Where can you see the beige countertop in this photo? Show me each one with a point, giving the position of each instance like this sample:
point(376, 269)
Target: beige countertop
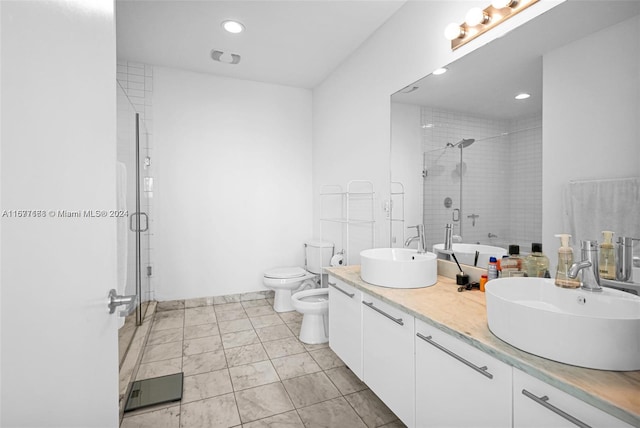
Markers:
point(463, 315)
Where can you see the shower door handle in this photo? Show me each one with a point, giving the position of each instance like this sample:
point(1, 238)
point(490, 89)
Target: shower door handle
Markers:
point(116, 300)
point(146, 222)
point(455, 215)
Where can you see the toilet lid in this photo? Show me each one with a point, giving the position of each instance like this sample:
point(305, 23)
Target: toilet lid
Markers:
point(285, 273)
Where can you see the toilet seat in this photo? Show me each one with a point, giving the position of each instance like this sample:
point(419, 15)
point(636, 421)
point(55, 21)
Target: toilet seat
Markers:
point(285, 273)
point(314, 301)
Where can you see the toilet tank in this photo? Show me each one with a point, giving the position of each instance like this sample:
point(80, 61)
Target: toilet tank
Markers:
point(317, 255)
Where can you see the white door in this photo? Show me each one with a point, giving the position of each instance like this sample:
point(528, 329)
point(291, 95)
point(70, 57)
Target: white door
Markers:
point(58, 362)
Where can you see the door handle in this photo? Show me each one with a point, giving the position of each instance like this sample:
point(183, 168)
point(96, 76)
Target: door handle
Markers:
point(544, 401)
point(341, 290)
point(482, 370)
point(146, 222)
point(380, 311)
point(115, 299)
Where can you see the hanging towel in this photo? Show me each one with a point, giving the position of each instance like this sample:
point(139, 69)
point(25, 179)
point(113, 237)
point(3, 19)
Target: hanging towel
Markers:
point(592, 206)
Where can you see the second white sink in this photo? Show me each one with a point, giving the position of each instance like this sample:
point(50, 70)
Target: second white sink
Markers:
point(598, 330)
point(398, 267)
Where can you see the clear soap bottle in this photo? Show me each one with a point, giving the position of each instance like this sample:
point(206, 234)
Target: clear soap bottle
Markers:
point(512, 265)
point(565, 260)
point(607, 262)
point(537, 263)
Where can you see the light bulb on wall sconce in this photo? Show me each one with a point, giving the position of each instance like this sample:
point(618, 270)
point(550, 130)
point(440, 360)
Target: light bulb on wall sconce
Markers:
point(476, 16)
point(501, 4)
point(453, 31)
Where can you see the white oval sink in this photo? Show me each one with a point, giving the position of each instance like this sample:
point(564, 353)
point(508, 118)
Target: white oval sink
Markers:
point(466, 253)
point(598, 330)
point(398, 267)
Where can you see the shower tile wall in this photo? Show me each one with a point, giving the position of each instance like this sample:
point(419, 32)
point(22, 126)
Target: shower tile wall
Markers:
point(137, 81)
point(500, 182)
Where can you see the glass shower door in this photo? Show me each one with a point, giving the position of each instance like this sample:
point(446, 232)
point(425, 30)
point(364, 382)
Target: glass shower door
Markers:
point(133, 229)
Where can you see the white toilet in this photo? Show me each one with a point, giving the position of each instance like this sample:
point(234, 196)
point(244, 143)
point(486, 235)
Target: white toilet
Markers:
point(298, 289)
point(314, 306)
point(285, 280)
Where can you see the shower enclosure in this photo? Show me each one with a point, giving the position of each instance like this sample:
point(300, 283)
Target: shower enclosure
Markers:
point(483, 175)
point(133, 207)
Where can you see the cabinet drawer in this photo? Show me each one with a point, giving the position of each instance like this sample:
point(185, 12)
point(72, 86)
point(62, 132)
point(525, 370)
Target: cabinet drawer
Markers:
point(538, 404)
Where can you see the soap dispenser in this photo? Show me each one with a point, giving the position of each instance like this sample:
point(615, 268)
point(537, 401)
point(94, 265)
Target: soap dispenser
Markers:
point(607, 256)
point(565, 260)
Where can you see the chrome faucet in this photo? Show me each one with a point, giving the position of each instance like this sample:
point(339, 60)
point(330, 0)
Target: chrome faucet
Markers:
point(588, 265)
point(448, 241)
point(422, 241)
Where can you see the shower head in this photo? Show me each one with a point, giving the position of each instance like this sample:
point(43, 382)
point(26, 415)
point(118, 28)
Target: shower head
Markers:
point(465, 142)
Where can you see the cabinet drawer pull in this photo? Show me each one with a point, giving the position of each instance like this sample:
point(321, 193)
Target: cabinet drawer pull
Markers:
point(341, 290)
point(380, 311)
point(544, 401)
point(481, 370)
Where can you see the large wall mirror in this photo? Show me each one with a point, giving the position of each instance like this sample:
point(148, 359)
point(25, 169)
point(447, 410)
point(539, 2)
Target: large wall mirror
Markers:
point(465, 151)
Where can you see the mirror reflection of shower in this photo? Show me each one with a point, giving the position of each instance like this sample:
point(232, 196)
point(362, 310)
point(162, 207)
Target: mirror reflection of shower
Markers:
point(461, 169)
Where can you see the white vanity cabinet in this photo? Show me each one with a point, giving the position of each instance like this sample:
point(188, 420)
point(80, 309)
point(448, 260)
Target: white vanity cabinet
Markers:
point(458, 385)
point(538, 404)
point(345, 323)
point(388, 356)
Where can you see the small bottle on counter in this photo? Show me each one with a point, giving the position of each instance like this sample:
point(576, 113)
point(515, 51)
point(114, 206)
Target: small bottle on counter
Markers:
point(512, 265)
point(537, 264)
point(492, 269)
point(483, 282)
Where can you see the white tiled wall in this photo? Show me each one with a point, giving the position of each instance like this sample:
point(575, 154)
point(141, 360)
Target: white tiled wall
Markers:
point(501, 173)
point(136, 79)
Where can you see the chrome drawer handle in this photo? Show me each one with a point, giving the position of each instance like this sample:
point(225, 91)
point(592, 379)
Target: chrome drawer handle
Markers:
point(380, 311)
point(481, 370)
point(342, 291)
point(544, 401)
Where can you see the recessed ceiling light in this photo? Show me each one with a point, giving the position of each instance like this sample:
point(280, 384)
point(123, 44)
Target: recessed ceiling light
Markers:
point(522, 96)
point(440, 71)
point(233, 27)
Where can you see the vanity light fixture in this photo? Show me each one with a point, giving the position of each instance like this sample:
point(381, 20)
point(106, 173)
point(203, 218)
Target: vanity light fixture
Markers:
point(479, 21)
point(439, 71)
point(522, 96)
point(233, 27)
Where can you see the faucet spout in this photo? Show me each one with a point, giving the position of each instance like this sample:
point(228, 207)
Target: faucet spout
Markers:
point(588, 266)
point(577, 267)
point(422, 241)
point(448, 231)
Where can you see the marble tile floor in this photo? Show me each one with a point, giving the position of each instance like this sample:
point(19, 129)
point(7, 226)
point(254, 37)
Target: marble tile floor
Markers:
point(245, 367)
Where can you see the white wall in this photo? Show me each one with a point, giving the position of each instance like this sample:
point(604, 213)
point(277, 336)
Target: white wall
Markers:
point(352, 107)
point(406, 167)
point(233, 188)
point(591, 131)
point(59, 345)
